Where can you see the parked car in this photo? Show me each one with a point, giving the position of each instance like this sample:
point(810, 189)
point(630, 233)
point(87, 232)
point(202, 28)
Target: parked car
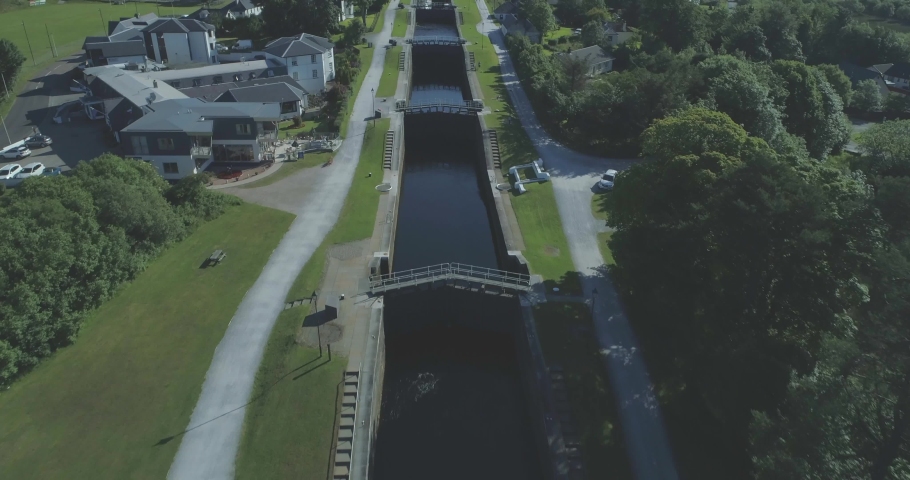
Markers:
point(52, 172)
point(606, 181)
point(38, 141)
point(17, 153)
point(31, 170)
point(9, 171)
point(221, 48)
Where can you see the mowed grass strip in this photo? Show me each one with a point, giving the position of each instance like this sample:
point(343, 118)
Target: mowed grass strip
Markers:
point(546, 247)
point(366, 58)
point(400, 28)
point(112, 405)
point(389, 81)
point(290, 425)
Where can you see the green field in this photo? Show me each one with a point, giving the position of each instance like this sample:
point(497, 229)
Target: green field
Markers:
point(294, 382)
point(389, 81)
point(566, 337)
point(400, 29)
point(366, 58)
point(68, 24)
point(546, 247)
point(106, 407)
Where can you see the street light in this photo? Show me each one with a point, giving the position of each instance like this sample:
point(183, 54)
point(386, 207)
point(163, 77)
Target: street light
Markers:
point(373, 91)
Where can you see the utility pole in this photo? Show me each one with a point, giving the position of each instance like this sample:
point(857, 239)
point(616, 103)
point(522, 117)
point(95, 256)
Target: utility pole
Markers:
point(5, 88)
point(54, 46)
point(53, 53)
point(373, 91)
point(29, 45)
point(103, 26)
point(5, 130)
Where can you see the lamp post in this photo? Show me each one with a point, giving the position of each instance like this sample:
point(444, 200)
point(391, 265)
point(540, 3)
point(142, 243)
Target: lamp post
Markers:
point(29, 44)
point(103, 26)
point(373, 91)
point(593, 299)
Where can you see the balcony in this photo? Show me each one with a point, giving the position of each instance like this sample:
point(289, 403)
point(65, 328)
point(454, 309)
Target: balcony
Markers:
point(197, 151)
point(270, 136)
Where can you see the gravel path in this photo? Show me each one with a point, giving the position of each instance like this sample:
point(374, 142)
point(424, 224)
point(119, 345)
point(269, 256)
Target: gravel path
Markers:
point(209, 445)
point(574, 175)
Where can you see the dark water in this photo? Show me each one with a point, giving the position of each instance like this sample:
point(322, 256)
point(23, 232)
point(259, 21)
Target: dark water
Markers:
point(435, 30)
point(452, 405)
point(438, 75)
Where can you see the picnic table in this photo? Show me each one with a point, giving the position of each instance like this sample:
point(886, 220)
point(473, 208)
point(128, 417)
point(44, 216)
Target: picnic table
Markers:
point(216, 257)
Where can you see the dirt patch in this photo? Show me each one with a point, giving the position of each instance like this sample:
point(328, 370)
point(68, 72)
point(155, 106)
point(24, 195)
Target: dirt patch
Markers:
point(324, 334)
point(551, 251)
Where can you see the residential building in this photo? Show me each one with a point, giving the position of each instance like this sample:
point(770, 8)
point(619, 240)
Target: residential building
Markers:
point(511, 25)
point(221, 73)
point(595, 59)
point(857, 74)
point(309, 59)
point(184, 136)
point(347, 9)
point(233, 10)
point(292, 102)
point(176, 41)
point(896, 75)
point(102, 51)
point(121, 97)
point(616, 33)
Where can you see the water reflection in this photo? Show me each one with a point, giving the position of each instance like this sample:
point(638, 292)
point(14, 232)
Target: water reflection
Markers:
point(426, 94)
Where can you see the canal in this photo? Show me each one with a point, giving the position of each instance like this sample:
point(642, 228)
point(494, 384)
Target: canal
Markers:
point(453, 402)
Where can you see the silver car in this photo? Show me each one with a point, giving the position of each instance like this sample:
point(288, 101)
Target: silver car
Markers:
point(10, 171)
point(606, 181)
point(31, 170)
point(18, 152)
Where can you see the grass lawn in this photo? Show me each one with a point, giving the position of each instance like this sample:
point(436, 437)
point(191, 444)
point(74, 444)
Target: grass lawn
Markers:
point(366, 58)
point(290, 423)
point(389, 81)
point(401, 23)
point(99, 408)
point(290, 426)
point(889, 23)
point(546, 247)
point(358, 215)
point(69, 24)
point(289, 168)
point(374, 20)
point(286, 129)
point(567, 338)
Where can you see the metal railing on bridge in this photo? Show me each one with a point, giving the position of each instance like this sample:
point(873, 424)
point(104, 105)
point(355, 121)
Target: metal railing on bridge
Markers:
point(439, 106)
point(437, 40)
point(450, 271)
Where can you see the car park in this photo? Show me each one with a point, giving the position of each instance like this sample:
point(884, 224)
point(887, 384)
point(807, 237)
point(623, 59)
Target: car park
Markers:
point(9, 171)
point(31, 170)
point(607, 180)
point(52, 172)
point(38, 141)
point(17, 152)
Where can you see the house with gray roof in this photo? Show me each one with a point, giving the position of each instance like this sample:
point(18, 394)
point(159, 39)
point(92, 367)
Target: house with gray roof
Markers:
point(594, 58)
point(616, 33)
point(233, 10)
point(220, 73)
point(176, 41)
point(512, 25)
point(857, 74)
point(896, 75)
point(309, 59)
point(101, 51)
point(184, 136)
point(292, 102)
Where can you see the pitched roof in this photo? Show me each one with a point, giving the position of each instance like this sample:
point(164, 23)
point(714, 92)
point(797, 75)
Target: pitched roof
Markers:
point(270, 80)
point(137, 88)
point(208, 70)
point(592, 55)
point(515, 25)
point(272, 93)
point(127, 23)
point(208, 93)
point(900, 70)
point(856, 73)
point(238, 6)
point(192, 115)
point(177, 25)
point(304, 44)
point(615, 27)
point(506, 8)
point(118, 49)
point(89, 40)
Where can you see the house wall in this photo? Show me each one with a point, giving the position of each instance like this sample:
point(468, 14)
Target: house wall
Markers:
point(226, 129)
point(898, 82)
point(303, 71)
point(182, 143)
point(618, 38)
point(202, 47)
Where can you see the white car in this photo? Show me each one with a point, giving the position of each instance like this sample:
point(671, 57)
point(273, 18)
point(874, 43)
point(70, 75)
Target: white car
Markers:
point(31, 170)
point(606, 181)
point(10, 171)
point(18, 152)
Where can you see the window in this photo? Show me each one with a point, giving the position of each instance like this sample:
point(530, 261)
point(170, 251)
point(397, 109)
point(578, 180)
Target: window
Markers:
point(312, 58)
point(211, 46)
point(197, 82)
point(270, 73)
point(315, 74)
point(170, 168)
point(293, 63)
point(140, 145)
point(237, 77)
point(217, 79)
point(243, 128)
point(295, 75)
point(331, 66)
point(328, 53)
point(165, 143)
point(175, 84)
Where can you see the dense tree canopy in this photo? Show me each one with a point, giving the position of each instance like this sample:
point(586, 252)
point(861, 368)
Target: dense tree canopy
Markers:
point(293, 17)
point(11, 60)
point(68, 242)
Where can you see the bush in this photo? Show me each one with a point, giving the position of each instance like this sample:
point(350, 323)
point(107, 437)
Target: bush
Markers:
point(552, 42)
point(297, 121)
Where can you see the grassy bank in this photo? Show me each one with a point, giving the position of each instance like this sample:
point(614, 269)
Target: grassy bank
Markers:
point(68, 24)
point(103, 407)
point(389, 81)
point(366, 58)
point(567, 338)
point(546, 247)
point(290, 426)
point(400, 28)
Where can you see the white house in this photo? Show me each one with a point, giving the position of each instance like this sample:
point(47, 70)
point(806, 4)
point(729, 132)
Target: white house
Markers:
point(240, 9)
point(616, 33)
point(176, 41)
point(595, 59)
point(309, 59)
point(347, 9)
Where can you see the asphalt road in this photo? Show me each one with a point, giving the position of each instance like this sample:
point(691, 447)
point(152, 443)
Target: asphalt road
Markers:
point(209, 446)
point(574, 175)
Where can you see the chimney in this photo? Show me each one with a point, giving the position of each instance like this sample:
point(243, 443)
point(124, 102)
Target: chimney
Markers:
point(154, 83)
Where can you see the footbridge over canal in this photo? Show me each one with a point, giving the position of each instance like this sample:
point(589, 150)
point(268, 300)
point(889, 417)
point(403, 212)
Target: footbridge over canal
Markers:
point(451, 274)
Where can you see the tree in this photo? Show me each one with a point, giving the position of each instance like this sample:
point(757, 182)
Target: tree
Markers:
point(363, 7)
point(838, 80)
point(540, 14)
point(867, 96)
point(353, 33)
point(680, 24)
point(592, 33)
point(11, 60)
point(897, 103)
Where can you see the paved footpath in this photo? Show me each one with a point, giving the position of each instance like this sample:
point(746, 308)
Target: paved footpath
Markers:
point(574, 175)
point(209, 446)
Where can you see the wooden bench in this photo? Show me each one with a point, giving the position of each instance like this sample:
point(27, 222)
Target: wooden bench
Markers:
point(216, 257)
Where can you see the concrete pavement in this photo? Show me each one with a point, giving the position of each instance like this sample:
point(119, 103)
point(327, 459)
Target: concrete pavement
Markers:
point(573, 175)
point(209, 445)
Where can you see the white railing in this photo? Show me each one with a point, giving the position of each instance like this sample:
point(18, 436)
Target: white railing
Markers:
point(447, 271)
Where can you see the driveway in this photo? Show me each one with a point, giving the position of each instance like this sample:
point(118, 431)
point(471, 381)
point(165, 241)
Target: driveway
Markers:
point(209, 446)
point(573, 175)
